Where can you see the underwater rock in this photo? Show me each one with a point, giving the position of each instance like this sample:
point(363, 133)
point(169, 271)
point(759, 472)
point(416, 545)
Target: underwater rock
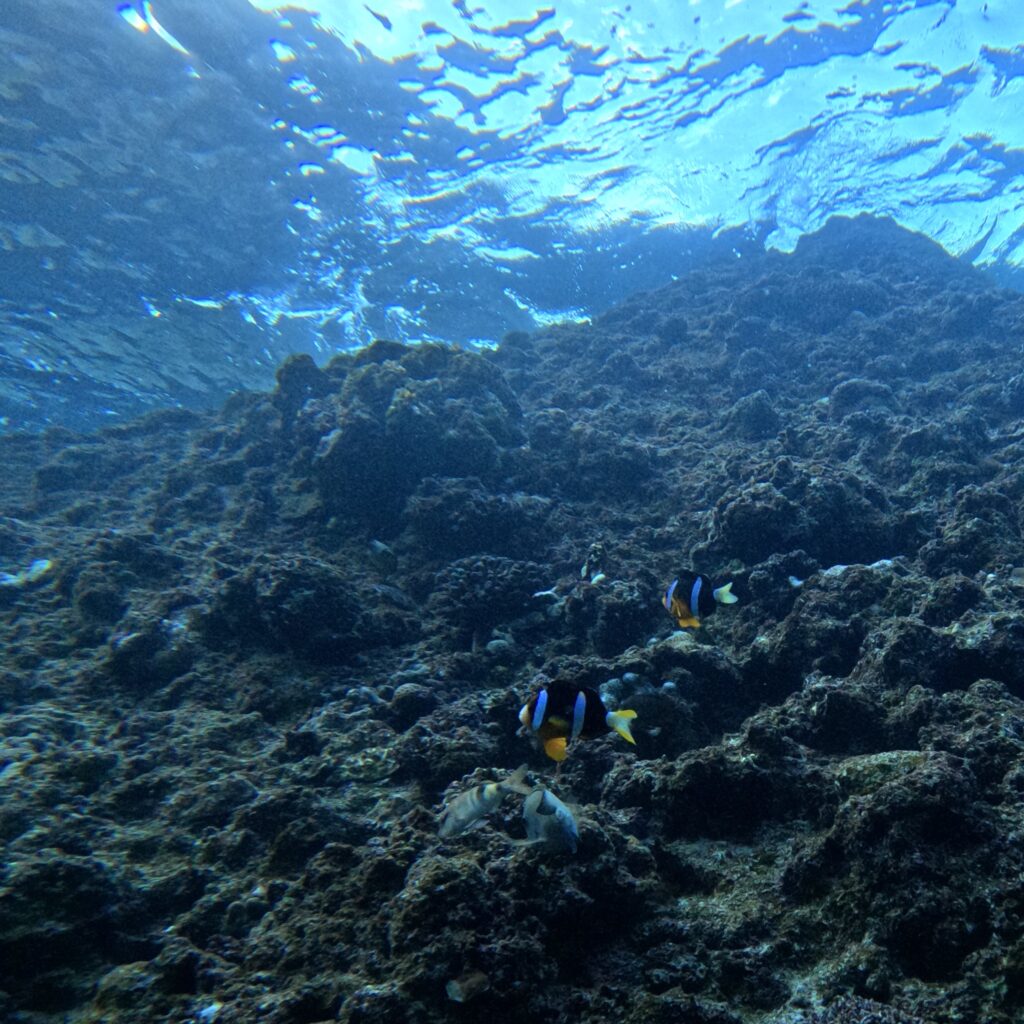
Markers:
point(758, 523)
point(550, 432)
point(949, 599)
point(128, 985)
point(410, 703)
point(754, 417)
point(62, 912)
point(86, 467)
point(609, 615)
point(622, 369)
point(828, 623)
point(858, 395)
point(298, 380)
point(749, 334)
point(720, 795)
point(907, 653)
point(751, 369)
point(395, 420)
point(300, 604)
point(834, 717)
point(856, 1010)
point(608, 464)
point(833, 517)
point(450, 742)
point(1012, 395)
point(916, 824)
point(775, 583)
point(471, 596)
point(99, 593)
point(456, 517)
point(981, 532)
point(146, 654)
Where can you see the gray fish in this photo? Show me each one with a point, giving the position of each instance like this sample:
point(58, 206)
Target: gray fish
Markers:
point(548, 820)
point(466, 809)
point(383, 557)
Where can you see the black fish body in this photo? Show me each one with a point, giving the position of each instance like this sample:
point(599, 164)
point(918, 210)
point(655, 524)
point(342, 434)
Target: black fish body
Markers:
point(561, 713)
point(692, 596)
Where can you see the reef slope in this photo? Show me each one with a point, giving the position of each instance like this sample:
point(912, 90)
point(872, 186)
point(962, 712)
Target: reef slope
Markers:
point(229, 717)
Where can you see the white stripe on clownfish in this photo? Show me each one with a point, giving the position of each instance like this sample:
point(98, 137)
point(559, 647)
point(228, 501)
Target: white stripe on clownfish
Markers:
point(579, 711)
point(538, 711)
point(695, 596)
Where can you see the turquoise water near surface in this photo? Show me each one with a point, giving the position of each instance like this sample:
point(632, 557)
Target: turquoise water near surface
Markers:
point(194, 190)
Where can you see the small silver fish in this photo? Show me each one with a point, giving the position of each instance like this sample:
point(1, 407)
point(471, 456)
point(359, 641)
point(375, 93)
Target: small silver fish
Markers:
point(383, 557)
point(466, 809)
point(548, 820)
point(467, 986)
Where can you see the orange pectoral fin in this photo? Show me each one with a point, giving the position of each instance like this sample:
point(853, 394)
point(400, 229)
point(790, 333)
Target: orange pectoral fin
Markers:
point(556, 748)
point(682, 614)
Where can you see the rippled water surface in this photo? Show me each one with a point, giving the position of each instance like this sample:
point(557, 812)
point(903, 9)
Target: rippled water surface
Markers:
point(191, 190)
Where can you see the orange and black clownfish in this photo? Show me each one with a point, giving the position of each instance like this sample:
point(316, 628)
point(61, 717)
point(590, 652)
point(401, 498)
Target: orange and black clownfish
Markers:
point(560, 713)
point(690, 597)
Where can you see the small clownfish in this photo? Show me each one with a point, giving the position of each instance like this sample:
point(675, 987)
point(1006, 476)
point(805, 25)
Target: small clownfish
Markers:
point(560, 713)
point(690, 597)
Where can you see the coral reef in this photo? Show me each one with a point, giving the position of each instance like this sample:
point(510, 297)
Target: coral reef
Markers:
point(250, 653)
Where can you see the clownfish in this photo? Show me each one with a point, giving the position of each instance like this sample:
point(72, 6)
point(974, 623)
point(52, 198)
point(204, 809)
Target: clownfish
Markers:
point(560, 713)
point(690, 597)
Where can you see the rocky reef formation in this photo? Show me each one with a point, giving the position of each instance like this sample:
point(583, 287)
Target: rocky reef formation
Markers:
point(248, 654)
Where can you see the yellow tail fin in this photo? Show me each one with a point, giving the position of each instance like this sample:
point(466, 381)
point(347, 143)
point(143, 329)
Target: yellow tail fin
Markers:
point(619, 722)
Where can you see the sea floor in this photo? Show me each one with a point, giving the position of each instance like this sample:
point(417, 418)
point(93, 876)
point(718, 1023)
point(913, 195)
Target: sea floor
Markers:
point(248, 654)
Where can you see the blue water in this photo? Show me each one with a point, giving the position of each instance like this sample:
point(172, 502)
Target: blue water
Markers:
point(192, 190)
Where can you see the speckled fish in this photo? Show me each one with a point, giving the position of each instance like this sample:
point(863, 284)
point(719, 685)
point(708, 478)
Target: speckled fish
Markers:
point(691, 597)
point(561, 713)
point(548, 820)
point(466, 809)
